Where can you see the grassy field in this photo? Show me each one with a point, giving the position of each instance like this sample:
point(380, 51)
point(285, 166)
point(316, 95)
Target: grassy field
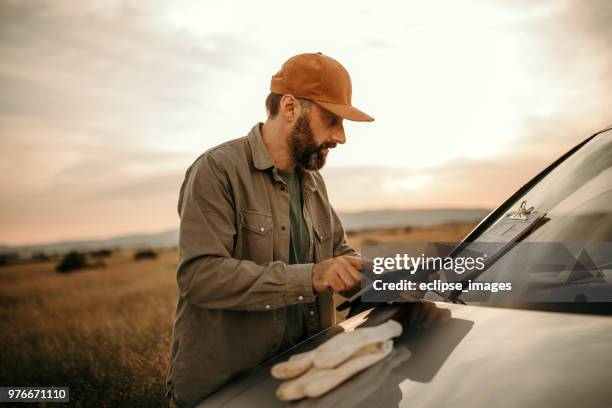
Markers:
point(106, 332)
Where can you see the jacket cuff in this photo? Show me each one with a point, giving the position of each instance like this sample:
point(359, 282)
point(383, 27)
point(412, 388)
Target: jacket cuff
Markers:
point(299, 284)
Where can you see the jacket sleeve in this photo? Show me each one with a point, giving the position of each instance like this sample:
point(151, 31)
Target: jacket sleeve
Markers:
point(207, 274)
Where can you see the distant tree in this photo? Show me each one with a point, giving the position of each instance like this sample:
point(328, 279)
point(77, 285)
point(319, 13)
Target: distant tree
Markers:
point(72, 261)
point(102, 253)
point(145, 254)
point(40, 257)
point(8, 258)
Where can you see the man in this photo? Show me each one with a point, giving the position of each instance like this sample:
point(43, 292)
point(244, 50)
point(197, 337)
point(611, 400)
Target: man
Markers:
point(261, 250)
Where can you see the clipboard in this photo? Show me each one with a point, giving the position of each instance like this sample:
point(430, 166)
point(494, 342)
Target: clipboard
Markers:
point(502, 236)
point(495, 242)
point(514, 226)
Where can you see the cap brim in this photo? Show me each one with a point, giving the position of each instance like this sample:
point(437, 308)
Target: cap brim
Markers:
point(346, 112)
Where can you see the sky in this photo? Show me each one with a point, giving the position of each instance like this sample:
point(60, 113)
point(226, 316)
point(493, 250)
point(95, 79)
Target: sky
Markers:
point(104, 105)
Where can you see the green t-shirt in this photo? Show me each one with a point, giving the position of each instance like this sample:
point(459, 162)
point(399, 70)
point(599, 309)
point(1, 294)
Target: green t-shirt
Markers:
point(295, 326)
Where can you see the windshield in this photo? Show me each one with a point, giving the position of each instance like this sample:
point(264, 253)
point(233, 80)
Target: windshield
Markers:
point(567, 259)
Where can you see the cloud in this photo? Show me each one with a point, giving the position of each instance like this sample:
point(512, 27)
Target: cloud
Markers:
point(463, 183)
point(104, 105)
point(95, 69)
point(71, 190)
point(96, 105)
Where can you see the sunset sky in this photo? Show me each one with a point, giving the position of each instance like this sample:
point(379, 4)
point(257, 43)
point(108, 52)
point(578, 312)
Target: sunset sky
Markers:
point(103, 105)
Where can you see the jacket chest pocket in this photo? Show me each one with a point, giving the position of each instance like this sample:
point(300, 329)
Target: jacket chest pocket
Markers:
point(256, 236)
point(324, 243)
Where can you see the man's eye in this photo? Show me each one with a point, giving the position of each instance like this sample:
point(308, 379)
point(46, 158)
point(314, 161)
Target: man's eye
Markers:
point(333, 122)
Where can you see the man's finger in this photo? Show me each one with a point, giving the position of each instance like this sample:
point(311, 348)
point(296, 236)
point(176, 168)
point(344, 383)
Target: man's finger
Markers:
point(335, 283)
point(355, 274)
point(345, 276)
point(355, 261)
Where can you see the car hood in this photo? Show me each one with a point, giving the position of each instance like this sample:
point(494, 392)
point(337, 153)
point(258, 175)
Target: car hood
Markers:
point(482, 357)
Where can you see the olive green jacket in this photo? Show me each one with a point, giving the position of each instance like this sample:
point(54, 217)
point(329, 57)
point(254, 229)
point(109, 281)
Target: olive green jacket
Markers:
point(233, 275)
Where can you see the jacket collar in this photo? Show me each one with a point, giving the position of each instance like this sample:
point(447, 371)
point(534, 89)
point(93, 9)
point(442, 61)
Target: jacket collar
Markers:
point(261, 157)
point(263, 161)
point(308, 180)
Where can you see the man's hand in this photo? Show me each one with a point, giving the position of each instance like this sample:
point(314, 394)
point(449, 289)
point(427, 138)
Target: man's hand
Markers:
point(411, 295)
point(339, 274)
point(425, 314)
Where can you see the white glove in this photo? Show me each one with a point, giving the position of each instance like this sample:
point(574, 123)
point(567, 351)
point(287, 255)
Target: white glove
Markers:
point(334, 361)
point(336, 350)
point(296, 365)
point(341, 347)
point(317, 381)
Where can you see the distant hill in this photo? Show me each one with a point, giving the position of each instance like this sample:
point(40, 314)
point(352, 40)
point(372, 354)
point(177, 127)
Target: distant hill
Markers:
point(401, 218)
point(158, 240)
point(355, 221)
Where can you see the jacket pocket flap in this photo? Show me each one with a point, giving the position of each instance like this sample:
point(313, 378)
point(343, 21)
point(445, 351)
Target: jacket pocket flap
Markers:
point(256, 222)
point(323, 231)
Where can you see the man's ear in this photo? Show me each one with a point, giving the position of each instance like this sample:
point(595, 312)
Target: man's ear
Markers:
point(289, 108)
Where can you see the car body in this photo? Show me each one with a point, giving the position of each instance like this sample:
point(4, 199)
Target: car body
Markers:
point(549, 344)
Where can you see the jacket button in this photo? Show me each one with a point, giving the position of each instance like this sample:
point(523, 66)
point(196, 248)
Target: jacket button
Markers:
point(311, 312)
point(262, 229)
point(267, 306)
point(300, 297)
point(283, 227)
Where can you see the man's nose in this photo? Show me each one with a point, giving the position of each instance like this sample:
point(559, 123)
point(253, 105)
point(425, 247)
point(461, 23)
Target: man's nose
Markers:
point(338, 135)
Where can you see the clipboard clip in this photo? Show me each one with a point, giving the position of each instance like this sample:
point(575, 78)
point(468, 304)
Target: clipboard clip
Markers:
point(521, 213)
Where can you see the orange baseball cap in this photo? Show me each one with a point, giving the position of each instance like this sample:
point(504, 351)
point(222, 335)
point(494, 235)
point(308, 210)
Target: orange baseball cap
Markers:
point(321, 79)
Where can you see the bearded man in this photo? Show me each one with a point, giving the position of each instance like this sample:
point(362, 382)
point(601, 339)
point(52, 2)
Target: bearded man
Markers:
point(261, 250)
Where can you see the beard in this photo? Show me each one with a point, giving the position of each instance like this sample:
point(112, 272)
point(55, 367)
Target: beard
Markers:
point(303, 147)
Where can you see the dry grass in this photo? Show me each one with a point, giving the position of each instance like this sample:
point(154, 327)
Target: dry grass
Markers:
point(106, 332)
point(103, 332)
point(442, 233)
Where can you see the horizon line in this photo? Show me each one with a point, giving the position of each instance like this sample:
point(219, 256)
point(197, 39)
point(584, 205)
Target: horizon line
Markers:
point(75, 240)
